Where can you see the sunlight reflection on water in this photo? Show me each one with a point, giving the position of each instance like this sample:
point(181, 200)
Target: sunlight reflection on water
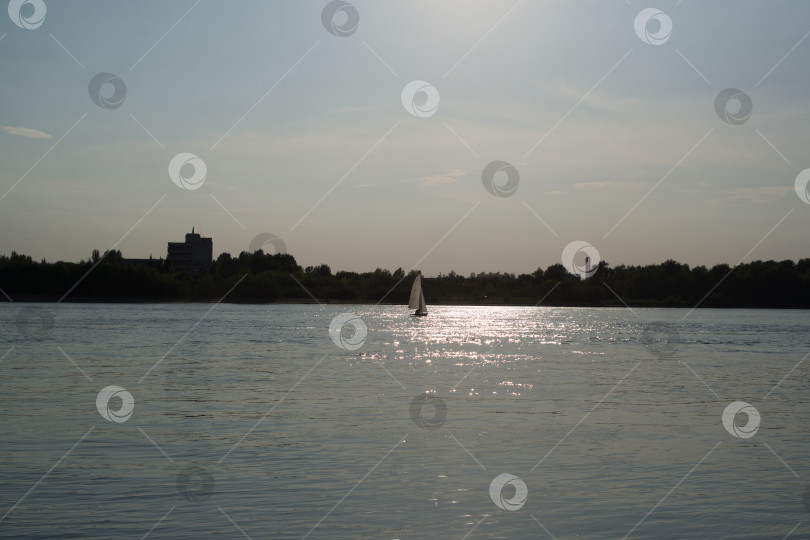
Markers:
point(598, 425)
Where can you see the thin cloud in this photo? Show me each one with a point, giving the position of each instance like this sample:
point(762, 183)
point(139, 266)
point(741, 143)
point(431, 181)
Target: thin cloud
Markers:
point(597, 101)
point(26, 132)
point(757, 195)
point(446, 178)
point(582, 186)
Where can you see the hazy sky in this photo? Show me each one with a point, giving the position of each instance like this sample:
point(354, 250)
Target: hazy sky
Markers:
point(615, 133)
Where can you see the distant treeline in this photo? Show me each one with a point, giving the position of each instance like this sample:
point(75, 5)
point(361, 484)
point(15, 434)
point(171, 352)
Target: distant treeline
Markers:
point(278, 277)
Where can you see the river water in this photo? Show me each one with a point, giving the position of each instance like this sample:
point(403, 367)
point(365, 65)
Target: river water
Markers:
point(198, 420)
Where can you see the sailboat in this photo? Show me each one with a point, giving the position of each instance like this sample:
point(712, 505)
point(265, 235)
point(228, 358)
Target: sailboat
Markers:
point(417, 300)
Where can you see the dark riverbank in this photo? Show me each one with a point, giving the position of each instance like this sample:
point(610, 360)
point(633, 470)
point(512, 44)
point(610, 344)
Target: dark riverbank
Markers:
point(326, 302)
point(265, 279)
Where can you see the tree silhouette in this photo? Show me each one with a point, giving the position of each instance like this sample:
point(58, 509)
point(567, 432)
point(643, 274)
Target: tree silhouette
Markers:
point(278, 277)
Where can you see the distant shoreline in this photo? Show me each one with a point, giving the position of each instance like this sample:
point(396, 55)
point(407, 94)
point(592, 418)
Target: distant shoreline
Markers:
point(327, 302)
point(259, 278)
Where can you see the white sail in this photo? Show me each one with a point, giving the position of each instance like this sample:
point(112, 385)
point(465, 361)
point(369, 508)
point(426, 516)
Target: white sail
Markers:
point(416, 294)
point(422, 306)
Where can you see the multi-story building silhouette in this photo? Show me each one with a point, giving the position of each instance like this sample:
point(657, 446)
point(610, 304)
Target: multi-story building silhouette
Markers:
point(194, 255)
